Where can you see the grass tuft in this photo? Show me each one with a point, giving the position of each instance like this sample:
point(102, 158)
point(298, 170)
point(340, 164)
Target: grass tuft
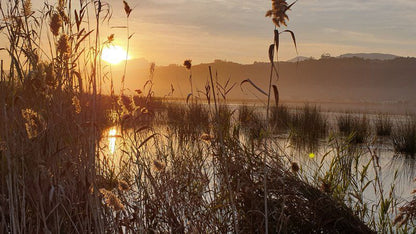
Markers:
point(358, 129)
point(404, 137)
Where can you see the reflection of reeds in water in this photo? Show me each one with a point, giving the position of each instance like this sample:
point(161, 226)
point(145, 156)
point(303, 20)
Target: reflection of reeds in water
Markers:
point(405, 166)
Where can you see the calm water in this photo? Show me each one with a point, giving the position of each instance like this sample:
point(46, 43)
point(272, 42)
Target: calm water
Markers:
point(389, 162)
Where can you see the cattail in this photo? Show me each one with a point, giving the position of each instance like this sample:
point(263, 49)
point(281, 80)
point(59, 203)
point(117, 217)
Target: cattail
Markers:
point(123, 185)
point(27, 8)
point(63, 45)
point(188, 64)
point(158, 165)
point(112, 200)
point(295, 167)
point(56, 24)
point(76, 104)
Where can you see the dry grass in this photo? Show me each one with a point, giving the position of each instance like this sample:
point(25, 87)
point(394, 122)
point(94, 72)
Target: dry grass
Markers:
point(57, 175)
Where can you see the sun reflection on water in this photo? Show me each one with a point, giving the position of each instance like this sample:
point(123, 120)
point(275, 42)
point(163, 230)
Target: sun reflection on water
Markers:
point(112, 134)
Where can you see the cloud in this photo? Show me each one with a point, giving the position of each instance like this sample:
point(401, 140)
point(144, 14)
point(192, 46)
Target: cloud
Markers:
point(172, 30)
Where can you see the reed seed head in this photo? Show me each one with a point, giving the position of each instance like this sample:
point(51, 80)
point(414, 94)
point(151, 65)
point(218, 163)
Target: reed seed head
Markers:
point(138, 91)
point(34, 123)
point(111, 200)
point(76, 104)
point(110, 38)
point(206, 137)
point(158, 165)
point(295, 167)
point(188, 64)
point(63, 45)
point(127, 8)
point(123, 185)
point(61, 4)
point(56, 24)
point(27, 8)
point(278, 12)
point(126, 103)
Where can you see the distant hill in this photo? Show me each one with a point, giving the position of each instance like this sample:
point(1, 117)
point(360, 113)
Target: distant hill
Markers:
point(324, 80)
point(377, 56)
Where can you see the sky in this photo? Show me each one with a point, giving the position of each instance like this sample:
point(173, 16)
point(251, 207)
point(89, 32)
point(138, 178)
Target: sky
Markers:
point(170, 31)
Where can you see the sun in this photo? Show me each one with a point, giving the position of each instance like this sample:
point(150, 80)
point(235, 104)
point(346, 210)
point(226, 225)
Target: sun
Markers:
point(114, 54)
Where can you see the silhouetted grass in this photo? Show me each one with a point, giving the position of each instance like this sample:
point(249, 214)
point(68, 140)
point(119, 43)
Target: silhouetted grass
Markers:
point(251, 122)
point(188, 122)
point(58, 174)
point(280, 118)
point(383, 125)
point(357, 128)
point(307, 127)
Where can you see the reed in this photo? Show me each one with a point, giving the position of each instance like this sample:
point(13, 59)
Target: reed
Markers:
point(59, 175)
point(404, 137)
point(356, 128)
point(383, 125)
point(281, 118)
point(251, 122)
point(307, 127)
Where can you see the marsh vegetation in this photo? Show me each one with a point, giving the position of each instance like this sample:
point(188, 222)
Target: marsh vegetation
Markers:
point(73, 160)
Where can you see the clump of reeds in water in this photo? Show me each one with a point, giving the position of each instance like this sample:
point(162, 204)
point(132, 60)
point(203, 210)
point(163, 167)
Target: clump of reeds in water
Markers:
point(404, 137)
point(356, 128)
point(250, 122)
point(222, 120)
point(307, 127)
point(383, 125)
point(188, 121)
point(280, 118)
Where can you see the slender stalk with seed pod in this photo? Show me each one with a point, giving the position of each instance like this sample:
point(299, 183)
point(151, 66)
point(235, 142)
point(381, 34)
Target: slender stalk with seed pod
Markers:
point(279, 17)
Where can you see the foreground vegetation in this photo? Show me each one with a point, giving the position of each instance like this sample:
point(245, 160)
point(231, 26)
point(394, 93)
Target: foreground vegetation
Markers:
point(164, 167)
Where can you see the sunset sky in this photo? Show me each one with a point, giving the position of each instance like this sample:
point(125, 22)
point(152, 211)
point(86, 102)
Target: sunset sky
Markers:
point(169, 31)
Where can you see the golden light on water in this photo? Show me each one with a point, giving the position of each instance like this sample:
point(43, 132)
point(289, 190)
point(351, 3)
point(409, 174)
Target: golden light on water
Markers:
point(114, 54)
point(112, 134)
